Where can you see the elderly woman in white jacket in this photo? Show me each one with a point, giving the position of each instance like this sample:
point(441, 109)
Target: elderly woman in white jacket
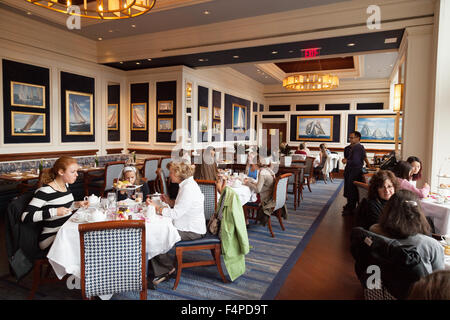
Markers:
point(186, 211)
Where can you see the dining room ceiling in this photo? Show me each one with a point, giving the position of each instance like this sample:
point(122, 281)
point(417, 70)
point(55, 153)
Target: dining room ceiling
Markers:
point(166, 15)
point(179, 14)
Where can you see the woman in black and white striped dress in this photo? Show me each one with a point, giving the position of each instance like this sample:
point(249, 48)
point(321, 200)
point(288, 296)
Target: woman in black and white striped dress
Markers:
point(51, 202)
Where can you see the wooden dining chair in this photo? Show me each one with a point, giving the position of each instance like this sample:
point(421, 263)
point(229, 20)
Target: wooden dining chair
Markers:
point(162, 182)
point(209, 242)
point(24, 237)
point(279, 195)
point(163, 165)
point(149, 171)
point(103, 182)
point(309, 171)
point(280, 191)
point(113, 258)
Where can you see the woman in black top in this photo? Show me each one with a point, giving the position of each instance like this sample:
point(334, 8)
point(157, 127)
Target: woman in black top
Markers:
point(381, 187)
point(51, 204)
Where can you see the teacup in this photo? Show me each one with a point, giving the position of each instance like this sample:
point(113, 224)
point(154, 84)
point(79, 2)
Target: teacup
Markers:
point(446, 238)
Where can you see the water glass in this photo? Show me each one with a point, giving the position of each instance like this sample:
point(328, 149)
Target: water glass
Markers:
point(112, 198)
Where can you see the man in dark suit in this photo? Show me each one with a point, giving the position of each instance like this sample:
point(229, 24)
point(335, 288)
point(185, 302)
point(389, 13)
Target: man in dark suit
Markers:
point(354, 158)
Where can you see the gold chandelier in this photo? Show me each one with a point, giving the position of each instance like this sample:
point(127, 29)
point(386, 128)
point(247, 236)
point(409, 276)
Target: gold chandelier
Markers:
point(311, 82)
point(99, 9)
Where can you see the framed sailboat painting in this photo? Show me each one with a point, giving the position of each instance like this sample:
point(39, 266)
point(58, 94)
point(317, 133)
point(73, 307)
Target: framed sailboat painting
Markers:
point(139, 116)
point(79, 113)
point(315, 128)
point(27, 124)
point(113, 119)
point(239, 118)
point(379, 129)
point(27, 95)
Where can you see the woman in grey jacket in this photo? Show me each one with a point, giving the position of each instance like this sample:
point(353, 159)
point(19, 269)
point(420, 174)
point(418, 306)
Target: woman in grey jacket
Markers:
point(403, 219)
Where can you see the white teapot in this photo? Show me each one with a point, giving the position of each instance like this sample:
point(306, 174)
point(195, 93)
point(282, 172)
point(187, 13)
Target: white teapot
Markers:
point(93, 200)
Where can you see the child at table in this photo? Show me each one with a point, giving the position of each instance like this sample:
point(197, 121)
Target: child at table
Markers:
point(132, 175)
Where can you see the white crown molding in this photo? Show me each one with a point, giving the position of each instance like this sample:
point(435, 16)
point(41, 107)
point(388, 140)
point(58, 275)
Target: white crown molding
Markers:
point(340, 19)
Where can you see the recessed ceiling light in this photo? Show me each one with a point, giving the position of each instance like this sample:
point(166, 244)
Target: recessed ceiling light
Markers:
point(110, 31)
point(202, 59)
point(236, 57)
point(121, 62)
point(274, 52)
point(138, 63)
point(350, 44)
point(206, 12)
point(149, 59)
point(133, 26)
point(390, 40)
point(29, 13)
point(291, 51)
point(100, 38)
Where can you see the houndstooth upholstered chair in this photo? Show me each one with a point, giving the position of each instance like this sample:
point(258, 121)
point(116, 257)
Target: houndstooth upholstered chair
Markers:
point(210, 241)
point(113, 258)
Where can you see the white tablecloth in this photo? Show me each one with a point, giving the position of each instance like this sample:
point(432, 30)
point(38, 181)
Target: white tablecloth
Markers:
point(64, 254)
point(440, 213)
point(245, 194)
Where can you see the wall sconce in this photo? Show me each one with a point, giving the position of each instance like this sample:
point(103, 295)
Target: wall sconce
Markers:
point(398, 97)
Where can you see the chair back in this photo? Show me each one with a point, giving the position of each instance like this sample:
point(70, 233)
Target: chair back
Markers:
point(363, 189)
point(400, 265)
point(150, 167)
point(309, 165)
point(113, 258)
point(209, 190)
point(280, 190)
point(163, 165)
point(162, 181)
point(113, 170)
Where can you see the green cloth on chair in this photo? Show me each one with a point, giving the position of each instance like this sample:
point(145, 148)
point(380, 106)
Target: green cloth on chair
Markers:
point(233, 234)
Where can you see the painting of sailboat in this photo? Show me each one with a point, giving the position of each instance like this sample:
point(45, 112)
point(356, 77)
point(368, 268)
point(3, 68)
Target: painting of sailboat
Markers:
point(376, 128)
point(113, 117)
point(27, 124)
point(79, 113)
point(27, 95)
point(315, 128)
point(139, 116)
point(165, 125)
point(165, 107)
point(239, 118)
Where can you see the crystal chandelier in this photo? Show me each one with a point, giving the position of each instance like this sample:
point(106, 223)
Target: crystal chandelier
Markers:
point(99, 9)
point(311, 82)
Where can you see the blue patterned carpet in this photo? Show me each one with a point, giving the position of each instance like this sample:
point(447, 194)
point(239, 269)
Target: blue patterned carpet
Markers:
point(267, 265)
point(268, 256)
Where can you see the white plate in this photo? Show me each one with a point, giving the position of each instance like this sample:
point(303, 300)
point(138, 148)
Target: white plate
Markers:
point(130, 188)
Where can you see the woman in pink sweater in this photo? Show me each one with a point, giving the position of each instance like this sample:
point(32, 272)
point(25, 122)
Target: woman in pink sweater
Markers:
point(403, 172)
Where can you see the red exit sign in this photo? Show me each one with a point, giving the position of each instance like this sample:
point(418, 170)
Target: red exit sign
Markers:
point(311, 52)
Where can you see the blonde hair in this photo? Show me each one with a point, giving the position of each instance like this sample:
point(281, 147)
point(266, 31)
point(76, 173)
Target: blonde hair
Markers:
point(182, 169)
point(136, 173)
point(48, 175)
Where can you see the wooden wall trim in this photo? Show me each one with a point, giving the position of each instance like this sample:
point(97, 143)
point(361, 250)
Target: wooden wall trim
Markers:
point(114, 151)
point(151, 151)
point(46, 155)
